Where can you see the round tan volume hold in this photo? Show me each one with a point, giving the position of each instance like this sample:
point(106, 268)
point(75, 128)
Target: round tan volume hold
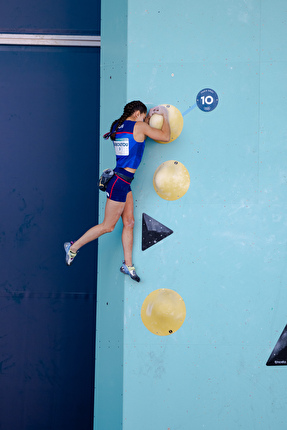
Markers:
point(171, 180)
point(163, 312)
point(175, 120)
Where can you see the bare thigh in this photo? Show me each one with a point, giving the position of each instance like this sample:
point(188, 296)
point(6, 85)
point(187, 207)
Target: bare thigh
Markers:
point(128, 211)
point(113, 211)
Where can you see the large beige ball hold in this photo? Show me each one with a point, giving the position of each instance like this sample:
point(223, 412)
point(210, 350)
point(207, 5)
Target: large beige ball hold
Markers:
point(171, 180)
point(163, 312)
point(156, 121)
point(175, 120)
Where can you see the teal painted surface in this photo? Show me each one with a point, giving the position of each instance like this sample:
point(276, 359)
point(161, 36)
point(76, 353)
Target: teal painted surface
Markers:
point(110, 294)
point(227, 255)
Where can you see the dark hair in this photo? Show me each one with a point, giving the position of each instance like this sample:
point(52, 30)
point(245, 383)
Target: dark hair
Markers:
point(129, 109)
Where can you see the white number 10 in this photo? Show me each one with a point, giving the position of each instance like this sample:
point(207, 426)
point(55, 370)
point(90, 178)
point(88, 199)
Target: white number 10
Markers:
point(206, 100)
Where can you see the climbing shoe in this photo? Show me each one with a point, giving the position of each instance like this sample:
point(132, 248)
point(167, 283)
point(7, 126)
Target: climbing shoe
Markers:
point(70, 255)
point(131, 271)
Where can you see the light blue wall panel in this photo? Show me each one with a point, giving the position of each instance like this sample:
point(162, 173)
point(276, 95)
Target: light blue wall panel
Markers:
point(110, 296)
point(227, 254)
point(273, 131)
point(195, 31)
point(212, 148)
point(273, 31)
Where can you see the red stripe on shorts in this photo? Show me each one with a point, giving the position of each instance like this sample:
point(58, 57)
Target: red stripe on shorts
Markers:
point(122, 179)
point(113, 186)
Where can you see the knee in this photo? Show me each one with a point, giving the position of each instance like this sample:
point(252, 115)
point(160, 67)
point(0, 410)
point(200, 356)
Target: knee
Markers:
point(129, 222)
point(108, 228)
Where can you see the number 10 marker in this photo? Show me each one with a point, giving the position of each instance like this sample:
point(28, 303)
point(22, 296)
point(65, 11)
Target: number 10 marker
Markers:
point(207, 100)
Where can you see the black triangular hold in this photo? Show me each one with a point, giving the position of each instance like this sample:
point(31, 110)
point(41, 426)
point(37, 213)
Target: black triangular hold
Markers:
point(152, 231)
point(278, 356)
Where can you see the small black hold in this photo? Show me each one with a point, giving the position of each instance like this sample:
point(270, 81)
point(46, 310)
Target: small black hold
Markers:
point(170, 331)
point(152, 231)
point(107, 303)
point(278, 356)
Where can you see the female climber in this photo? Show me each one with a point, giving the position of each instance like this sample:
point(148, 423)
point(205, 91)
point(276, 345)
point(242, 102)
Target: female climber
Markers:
point(128, 134)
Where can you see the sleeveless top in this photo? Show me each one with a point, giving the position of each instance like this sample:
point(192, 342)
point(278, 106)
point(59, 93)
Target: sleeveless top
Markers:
point(129, 152)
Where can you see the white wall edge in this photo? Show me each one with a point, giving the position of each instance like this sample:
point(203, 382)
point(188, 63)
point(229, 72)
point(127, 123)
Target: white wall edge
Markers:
point(49, 40)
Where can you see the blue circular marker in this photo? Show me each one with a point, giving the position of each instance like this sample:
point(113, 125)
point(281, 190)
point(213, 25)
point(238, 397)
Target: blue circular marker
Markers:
point(207, 100)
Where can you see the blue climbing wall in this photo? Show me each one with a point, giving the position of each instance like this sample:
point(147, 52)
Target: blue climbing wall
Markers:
point(47, 318)
point(49, 157)
point(227, 255)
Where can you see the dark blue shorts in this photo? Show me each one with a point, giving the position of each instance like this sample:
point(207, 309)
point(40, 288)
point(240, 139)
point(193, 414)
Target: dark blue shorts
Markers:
point(118, 188)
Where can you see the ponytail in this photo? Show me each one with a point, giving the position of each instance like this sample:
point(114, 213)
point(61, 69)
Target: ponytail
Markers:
point(129, 109)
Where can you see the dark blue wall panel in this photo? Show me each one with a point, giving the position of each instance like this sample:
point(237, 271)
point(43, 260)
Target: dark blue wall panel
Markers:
point(50, 16)
point(49, 122)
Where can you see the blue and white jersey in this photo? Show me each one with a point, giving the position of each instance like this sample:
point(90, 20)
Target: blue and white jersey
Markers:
point(129, 152)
